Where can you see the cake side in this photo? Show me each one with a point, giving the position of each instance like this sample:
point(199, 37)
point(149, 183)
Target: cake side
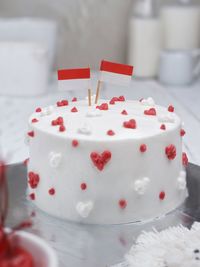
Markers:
point(116, 163)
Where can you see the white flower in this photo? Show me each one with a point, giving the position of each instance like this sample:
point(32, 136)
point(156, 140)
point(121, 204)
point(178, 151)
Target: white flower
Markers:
point(148, 102)
point(181, 181)
point(85, 129)
point(168, 117)
point(140, 186)
point(84, 208)
point(54, 159)
point(47, 111)
point(93, 112)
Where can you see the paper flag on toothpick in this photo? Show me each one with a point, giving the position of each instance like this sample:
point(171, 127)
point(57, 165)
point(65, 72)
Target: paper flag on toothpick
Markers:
point(115, 72)
point(72, 79)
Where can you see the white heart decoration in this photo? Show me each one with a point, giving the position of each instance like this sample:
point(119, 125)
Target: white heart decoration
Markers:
point(166, 118)
point(148, 102)
point(140, 186)
point(84, 208)
point(181, 181)
point(54, 159)
point(85, 129)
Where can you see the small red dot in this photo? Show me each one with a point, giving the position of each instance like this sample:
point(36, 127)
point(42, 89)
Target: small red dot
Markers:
point(32, 196)
point(182, 132)
point(31, 134)
point(74, 109)
point(38, 110)
point(162, 195)
point(83, 186)
point(110, 132)
point(163, 127)
point(124, 112)
point(62, 128)
point(74, 99)
point(54, 122)
point(143, 148)
point(122, 203)
point(59, 120)
point(171, 108)
point(74, 143)
point(52, 191)
point(34, 120)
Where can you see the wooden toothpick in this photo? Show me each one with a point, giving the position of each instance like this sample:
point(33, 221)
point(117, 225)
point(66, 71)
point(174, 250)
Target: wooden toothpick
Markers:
point(89, 97)
point(97, 91)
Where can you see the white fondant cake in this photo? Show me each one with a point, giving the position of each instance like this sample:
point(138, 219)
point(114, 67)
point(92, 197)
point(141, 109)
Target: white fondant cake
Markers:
point(114, 163)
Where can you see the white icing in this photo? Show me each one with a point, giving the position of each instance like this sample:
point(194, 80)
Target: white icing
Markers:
point(148, 102)
point(84, 208)
point(140, 186)
point(182, 180)
point(26, 139)
point(85, 129)
point(168, 117)
point(106, 187)
point(54, 159)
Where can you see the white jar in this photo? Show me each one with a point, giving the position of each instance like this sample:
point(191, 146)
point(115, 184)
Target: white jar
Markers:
point(144, 40)
point(181, 26)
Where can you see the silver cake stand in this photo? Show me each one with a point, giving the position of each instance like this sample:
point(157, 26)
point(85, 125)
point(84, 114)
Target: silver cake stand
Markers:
point(79, 245)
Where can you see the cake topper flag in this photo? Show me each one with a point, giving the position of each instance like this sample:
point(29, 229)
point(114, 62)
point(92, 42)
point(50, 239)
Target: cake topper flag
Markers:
point(74, 79)
point(114, 73)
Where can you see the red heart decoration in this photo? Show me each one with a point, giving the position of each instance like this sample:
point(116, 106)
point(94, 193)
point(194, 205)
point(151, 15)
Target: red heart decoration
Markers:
point(150, 111)
point(131, 124)
point(100, 160)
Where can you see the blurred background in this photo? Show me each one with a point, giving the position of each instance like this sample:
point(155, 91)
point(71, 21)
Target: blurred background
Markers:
point(160, 38)
point(88, 30)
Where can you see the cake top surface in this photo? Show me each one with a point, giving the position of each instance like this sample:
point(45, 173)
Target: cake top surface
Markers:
point(109, 120)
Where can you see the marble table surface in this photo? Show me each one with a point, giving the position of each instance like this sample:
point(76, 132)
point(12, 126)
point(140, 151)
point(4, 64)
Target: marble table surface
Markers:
point(14, 112)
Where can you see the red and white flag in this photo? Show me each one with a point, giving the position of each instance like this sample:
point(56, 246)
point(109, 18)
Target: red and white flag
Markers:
point(71, 79)
point(115, 72)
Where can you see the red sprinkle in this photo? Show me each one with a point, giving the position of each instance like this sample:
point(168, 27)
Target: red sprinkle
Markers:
point(32, 196)
point(74, 109)
point(74, 143)
point(170, 151)
point(151, 112)
point(112, 101)
point(103, 106)
point(131, 124)
point(62, 128)
point(31, 134)
point(60, 120)
point(122, 203)
point(52, 191)
point(74, 99)
point(83, 186)
point(163, 127)
point(143, 148)
point(33, 180)
point(182, 132)
point(110, 132)
point(171, 108)
point(124, 112)
point(121, 98)
point(34, 120)
point(62, 103)
point(162, 195)
point(26, 161)
point(184, 159)
point(38, 110)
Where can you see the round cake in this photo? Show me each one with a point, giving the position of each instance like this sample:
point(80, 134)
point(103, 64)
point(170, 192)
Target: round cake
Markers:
point(118, 162)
